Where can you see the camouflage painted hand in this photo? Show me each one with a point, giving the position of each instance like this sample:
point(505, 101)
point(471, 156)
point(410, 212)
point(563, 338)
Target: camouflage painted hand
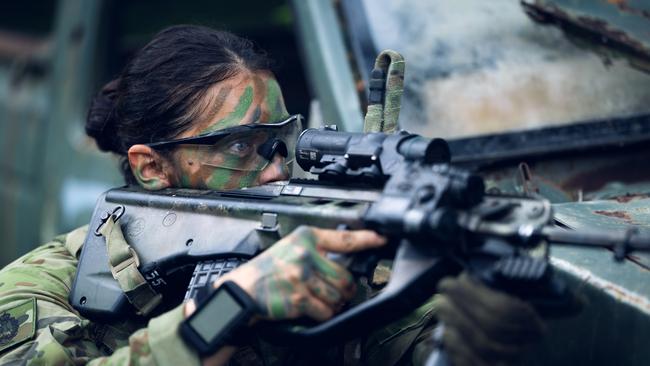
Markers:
point(293, 278)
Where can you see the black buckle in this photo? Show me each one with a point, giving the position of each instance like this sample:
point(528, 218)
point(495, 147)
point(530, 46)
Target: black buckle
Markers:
point(116, 215)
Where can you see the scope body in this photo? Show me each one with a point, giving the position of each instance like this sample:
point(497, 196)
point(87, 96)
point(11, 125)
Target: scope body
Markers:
point(366, 156)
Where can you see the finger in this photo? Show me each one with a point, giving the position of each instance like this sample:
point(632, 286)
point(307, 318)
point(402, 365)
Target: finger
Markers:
point(190, 307)
point(335, 275)
point(347, 241)
point(316, 308)
point(324, 291)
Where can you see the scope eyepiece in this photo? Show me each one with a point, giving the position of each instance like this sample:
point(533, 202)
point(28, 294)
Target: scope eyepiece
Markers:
point(428, 151)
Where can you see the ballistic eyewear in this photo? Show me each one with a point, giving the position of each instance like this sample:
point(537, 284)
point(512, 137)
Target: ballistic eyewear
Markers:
point(248, 147)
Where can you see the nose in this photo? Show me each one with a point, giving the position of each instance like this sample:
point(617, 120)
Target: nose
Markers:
point(275, 171)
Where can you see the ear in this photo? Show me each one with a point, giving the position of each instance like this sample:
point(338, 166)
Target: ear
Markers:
point(149, 168)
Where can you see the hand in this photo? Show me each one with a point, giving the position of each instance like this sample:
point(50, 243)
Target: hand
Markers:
point(485, 326)
point(294, 279)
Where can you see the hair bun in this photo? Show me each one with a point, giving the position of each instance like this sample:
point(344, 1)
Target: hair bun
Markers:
point(100, 122)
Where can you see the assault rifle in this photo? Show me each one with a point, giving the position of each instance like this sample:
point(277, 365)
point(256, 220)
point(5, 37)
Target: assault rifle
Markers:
point(437, 217)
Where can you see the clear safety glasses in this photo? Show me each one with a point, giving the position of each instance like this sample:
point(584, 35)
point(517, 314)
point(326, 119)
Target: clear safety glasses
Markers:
point(246, 147)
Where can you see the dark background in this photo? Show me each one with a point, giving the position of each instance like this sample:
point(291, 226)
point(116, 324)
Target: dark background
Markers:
point(131, 25)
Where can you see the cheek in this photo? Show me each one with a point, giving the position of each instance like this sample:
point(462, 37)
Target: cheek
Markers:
point(188, 166)
point(199, 169)
point(230, 179)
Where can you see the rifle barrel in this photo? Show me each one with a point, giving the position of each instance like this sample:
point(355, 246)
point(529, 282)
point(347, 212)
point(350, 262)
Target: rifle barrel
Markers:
point(631, 239)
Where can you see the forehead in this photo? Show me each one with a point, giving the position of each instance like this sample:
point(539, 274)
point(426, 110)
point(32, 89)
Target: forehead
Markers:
point(247, 97)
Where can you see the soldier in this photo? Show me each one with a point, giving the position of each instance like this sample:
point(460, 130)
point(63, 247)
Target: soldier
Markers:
point(191, 81)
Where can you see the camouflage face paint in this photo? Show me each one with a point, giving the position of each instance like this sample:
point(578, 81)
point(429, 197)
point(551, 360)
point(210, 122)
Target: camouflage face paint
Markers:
point(259, 100)
point(219, 178)
point(236, 116)
point(244, 179)
point(260, 91)
point(219, 101)
point(256, 115)
point(152, 183)
point(274, 101)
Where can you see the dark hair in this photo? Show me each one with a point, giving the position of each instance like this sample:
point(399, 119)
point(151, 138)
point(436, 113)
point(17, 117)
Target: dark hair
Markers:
point(156, 96)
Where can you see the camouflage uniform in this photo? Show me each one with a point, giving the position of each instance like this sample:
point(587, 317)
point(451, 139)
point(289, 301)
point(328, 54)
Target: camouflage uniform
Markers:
point(39, 326)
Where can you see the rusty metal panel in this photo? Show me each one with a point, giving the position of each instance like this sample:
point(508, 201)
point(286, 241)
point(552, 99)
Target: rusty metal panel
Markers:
point(583, 176)
point(615, 24)
point(616, 214)
point(614, 324)
point(620, 214)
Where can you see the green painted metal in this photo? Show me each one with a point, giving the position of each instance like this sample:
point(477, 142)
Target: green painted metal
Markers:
point(614, 324)
point(617, 214)
point(581, 176)
point(624, 213)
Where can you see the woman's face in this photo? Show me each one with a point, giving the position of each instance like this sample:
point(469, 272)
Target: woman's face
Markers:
point(243, 99)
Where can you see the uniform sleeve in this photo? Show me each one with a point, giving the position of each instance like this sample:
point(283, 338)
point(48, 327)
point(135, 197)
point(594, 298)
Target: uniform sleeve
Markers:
point(39, 326)
point(404, 342)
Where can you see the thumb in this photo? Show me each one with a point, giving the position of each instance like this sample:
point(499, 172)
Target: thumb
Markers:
point(347, 241)
point(190, 307)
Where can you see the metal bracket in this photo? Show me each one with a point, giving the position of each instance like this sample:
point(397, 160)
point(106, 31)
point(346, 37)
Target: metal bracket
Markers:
point(269, 229)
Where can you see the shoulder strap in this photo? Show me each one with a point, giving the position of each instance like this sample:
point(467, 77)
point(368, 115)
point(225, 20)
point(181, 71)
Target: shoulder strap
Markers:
point(123, 262)
point(385, 92)
point(74, 240)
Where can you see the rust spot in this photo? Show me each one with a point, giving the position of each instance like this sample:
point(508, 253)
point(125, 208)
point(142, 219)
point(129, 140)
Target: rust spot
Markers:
point(630, 197)
point(618, 214)
point(625, 7)
point(615, 34)
point(614, 290)
point(624, 296)
point(568, 20)
point(26, 284)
